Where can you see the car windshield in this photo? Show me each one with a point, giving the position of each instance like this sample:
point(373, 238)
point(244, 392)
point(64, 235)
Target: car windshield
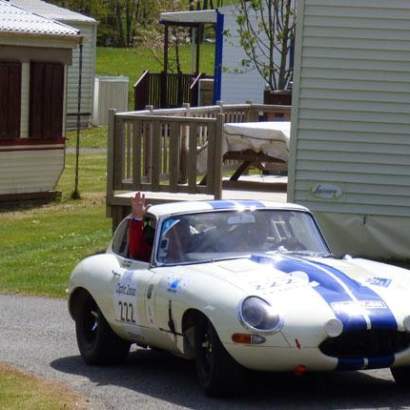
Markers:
point(205, 237)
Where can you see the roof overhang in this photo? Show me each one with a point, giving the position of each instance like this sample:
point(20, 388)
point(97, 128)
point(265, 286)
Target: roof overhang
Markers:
point(17, 24)
point(189, 18)
point(39, 40)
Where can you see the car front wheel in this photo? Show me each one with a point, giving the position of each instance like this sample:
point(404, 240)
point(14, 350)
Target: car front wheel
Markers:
point(218, 373)
point(401, 375)
point(97, 343)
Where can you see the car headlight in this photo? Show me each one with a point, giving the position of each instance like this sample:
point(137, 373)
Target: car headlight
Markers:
point(257, 314)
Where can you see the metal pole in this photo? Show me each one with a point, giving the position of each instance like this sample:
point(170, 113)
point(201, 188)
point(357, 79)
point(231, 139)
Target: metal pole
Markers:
point(76, 192)
point(166, 45)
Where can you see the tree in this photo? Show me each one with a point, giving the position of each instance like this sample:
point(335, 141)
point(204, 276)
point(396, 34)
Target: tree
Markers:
point(205, 4)
point(267, 33)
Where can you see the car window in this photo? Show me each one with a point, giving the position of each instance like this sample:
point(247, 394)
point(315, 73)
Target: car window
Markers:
point(120, 239)
point(120, 243)
point(219, 235)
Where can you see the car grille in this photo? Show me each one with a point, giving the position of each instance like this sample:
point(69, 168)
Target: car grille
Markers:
point(366, 343)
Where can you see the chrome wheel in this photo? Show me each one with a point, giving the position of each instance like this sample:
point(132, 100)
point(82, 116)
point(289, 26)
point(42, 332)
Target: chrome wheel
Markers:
point(91, 322)
point(97, 342)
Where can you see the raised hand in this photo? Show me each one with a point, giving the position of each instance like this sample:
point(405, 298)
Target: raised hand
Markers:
point(138, 205)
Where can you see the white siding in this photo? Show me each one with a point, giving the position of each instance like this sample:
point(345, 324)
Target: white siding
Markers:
point(89, 31)
point(30, 171)
point(237, 86)
point(352, 122)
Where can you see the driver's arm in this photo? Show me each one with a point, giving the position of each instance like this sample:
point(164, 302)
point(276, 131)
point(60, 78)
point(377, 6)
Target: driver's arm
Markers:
point(138, 248)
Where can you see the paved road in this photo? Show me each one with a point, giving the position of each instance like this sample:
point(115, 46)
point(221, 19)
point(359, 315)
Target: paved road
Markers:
point(37, 335)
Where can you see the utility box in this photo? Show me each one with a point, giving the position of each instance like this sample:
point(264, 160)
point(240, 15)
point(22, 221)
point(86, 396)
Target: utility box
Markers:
point(110, 92)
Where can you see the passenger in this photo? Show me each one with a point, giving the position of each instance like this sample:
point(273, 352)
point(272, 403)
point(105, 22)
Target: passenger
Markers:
point(140, 237)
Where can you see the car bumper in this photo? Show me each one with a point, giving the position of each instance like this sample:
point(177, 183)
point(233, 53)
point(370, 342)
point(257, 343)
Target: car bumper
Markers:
point(281, 359)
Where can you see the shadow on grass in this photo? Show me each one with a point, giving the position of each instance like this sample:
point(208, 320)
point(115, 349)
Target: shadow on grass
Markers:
point(18, 205)
point(168, 378)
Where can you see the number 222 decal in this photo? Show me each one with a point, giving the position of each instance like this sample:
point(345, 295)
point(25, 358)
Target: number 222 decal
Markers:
point(126, 312)
point(125, 298)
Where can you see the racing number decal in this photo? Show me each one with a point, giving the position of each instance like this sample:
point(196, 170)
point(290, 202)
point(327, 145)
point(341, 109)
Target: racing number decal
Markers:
point(125, 298)
point(126, 312)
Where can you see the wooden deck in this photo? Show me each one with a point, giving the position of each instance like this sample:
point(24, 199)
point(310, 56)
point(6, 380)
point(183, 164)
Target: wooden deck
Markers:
point(157, 151)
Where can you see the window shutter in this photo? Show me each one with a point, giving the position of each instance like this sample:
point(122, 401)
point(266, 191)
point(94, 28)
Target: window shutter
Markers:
point(46, 100)
point(10, 99)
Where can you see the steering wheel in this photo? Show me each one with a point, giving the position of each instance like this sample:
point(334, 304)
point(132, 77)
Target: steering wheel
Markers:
point(292, 244)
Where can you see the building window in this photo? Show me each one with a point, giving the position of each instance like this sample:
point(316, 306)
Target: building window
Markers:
point(46, 100)
point(10, 99)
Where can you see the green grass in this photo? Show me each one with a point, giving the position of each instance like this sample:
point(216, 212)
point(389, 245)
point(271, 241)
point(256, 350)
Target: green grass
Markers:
point(22, 391)
point(95, 137)
point(39, 247)
point(132, 62)
point(45, 244)
point(93, 174)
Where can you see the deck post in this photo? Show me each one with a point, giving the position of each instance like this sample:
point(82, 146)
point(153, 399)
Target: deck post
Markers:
point(110, 159)
point(118, 152)
point(147, 146)
point(183, 148)
point(251, 113)
point(220, 120)
point(221, 105)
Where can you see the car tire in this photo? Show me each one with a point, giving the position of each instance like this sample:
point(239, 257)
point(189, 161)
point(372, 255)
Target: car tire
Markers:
point(401, 375)
point(97, 343)
point(218, 373)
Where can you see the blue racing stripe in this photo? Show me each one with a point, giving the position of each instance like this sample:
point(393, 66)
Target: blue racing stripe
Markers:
point(380, 362)
point(327, 287)
point(350, 363)
point(249, 203)
point(332, 285)
point(222, 204)
point(381, 317)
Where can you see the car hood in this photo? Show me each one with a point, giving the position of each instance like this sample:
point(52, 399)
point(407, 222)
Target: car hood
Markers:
point(263, 273)
point(362, 294)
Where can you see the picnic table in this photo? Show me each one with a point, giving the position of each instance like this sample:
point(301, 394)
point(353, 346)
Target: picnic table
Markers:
point(261, 144)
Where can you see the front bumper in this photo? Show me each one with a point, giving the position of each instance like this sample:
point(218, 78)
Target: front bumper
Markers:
point(282, 359)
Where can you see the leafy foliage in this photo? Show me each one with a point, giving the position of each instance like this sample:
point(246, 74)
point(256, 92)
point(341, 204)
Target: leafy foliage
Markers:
point(267, 32)
point(126, 23)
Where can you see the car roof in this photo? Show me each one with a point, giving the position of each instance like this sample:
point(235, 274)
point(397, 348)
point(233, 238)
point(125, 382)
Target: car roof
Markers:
point(185, 207)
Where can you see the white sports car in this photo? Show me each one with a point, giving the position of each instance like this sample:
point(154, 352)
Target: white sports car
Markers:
point(240, 285)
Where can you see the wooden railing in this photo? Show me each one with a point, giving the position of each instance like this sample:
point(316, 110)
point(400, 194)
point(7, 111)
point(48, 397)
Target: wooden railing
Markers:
point(159, 154)
point(162, 90)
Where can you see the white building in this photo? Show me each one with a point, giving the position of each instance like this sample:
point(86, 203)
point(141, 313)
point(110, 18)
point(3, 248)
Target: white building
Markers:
point(88, 29)
point(35, 53)
point(350, 153)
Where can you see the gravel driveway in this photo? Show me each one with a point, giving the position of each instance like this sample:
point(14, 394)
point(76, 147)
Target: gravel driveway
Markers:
point(37, 335)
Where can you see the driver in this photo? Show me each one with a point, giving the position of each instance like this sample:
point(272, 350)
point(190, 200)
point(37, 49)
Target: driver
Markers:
point(179, 241)
point(140, 237)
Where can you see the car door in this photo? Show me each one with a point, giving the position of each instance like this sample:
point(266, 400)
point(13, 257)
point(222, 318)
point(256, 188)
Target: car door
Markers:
point(131, 279)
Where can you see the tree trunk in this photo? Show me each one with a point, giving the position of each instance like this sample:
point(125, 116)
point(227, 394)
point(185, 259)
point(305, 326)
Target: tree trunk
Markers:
point(118, 16)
